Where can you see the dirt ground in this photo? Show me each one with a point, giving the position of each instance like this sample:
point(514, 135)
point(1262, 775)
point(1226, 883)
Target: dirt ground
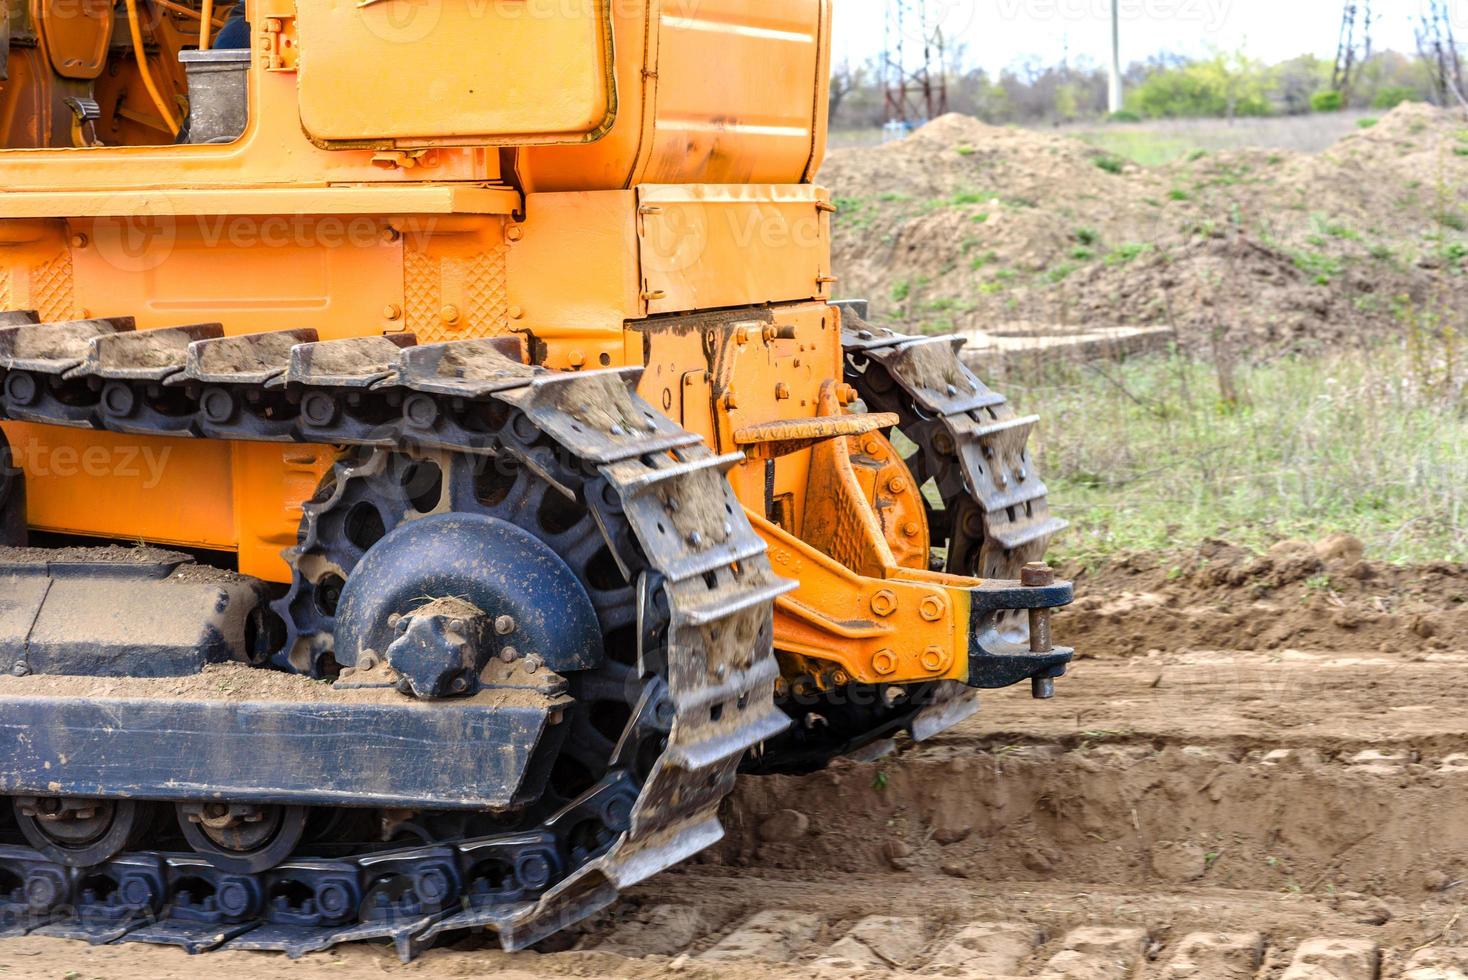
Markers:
point(1256, 769)
point(964, 225)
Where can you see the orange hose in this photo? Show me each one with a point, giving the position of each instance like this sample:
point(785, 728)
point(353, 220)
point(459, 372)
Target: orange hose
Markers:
point(136, 30)
point(206, 19)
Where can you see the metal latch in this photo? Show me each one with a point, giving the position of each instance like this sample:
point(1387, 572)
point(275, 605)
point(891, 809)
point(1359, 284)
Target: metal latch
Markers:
point(281, 51)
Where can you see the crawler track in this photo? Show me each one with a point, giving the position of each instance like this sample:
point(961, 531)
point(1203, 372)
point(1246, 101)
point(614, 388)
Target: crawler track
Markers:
point(699, 589)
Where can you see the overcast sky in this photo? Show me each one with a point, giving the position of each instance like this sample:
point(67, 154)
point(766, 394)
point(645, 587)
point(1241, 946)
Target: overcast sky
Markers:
point(1002, 32)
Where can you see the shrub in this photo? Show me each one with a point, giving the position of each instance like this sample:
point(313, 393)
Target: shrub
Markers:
point(1392, 96)
point(1327, 102)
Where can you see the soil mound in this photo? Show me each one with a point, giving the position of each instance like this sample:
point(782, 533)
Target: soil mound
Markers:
point(964, 225)
point(1318, 596)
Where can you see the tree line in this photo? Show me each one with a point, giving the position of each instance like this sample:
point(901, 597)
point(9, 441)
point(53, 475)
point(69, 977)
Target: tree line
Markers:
point(1225, 84)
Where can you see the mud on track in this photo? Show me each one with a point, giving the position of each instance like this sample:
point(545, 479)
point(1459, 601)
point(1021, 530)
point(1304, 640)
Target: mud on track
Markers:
point(1182, 809)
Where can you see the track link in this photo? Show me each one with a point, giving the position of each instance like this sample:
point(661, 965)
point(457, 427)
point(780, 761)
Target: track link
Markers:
point(705, 588)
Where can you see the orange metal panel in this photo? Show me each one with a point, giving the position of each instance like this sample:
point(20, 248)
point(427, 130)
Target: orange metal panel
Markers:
point(408, 73)
point(251, 273)
point(737, 82)
point(705, 246)
point(74, 34)
point(271, 483)
point(136, 488)
point(573, 271)
point(710, 91)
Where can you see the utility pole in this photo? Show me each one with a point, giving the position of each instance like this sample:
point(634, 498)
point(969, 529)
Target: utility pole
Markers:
point(1116, 98)
point(916, 89)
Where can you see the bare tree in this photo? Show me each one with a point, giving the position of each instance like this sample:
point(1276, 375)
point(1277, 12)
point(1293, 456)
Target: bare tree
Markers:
point(846, 79)
point(1438, 46)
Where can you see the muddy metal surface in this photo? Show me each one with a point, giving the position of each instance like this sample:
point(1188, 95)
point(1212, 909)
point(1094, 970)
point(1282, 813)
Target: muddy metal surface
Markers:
point(1290, 811)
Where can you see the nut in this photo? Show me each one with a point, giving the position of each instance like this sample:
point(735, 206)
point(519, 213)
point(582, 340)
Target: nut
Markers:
point(1036, 575)
point(884, 662)
point(931, 608)
point(935, 659)
point(884, 603)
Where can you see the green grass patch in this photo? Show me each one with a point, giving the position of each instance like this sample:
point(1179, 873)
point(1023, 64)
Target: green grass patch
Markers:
point(1178, 194)
point(1129, 252)
point(1112, 165)
point(1060, 273)
point(1145, 147)
point(1348, 441)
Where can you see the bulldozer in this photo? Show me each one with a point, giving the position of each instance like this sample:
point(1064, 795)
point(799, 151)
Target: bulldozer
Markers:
point(435, 464)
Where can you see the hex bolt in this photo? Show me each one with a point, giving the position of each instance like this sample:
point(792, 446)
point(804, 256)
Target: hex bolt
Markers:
point(504, 625)
point(457, 626)
point(897, 484)
point(931, 608)
point(367, 660)
point(508, 655)
point(910, 529)
point(1042, 688)
point(533, 663)
point(884, 662)
point(884, 602)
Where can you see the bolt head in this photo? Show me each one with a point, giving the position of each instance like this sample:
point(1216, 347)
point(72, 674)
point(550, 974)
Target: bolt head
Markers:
point(931, 608)
point(20, 670)
point(884, 602)
point(504, 625)
point(884, 662)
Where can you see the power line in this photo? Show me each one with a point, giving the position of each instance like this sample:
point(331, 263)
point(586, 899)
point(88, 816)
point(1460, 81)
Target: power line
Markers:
point(914, 91)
